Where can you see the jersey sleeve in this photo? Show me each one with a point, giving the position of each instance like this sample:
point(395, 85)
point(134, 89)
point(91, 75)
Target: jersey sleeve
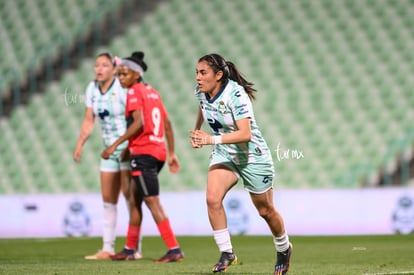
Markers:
point(134, 101)
point(89, 94)
point(240, 104)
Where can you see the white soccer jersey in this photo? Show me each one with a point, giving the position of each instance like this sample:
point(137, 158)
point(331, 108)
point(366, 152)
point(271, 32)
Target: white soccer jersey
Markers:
point(232, 103)
point(110, 109)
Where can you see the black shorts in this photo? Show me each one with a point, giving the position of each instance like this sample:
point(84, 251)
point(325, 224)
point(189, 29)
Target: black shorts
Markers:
point(144, 171)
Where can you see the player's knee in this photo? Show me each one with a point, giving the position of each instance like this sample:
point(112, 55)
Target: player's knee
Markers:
point(266, 212)
point(213, 202)
point(152, 202)
point(109, 198)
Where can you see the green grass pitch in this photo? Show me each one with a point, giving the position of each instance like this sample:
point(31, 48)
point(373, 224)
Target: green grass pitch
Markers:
point(392, 254)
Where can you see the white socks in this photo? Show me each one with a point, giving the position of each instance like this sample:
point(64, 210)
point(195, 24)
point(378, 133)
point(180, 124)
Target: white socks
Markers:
point(282, 242)
point(222, 238)
point(109, 223)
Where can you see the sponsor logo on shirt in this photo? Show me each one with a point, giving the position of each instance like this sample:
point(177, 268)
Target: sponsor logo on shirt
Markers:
point(241, 109)
point(156, 139)
point(242, 112)
point(153, 95)
point(102, 113)
point(208, 108)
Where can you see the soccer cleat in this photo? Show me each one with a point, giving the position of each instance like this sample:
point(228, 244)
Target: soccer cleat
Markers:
point(173, 255)
point(137, 255)
point(100, 255)
point(124, 255)
point(283, 261)
point(226, 259)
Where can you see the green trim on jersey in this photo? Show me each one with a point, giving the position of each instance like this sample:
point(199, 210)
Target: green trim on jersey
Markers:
point(221, 114)
point(109, 108)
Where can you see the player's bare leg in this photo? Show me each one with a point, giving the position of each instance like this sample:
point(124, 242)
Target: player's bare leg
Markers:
point(220, 181)
point(265, 206)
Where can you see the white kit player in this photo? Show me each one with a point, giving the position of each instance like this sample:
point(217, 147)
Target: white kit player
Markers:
point(106, 100)
point(239, 151)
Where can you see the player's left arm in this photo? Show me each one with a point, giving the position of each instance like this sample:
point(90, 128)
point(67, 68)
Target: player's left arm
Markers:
point(173, 163)
point(241, 108)
point(134, 129)
point(241, 135)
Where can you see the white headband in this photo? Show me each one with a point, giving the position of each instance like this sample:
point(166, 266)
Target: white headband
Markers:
point(133, 66)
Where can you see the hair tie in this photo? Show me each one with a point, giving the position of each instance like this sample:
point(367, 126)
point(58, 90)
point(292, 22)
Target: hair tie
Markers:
point(117, 61)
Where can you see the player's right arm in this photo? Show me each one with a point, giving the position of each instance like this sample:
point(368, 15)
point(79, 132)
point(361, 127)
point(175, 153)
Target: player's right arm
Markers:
point(198, 124)
point(85, 132)
point(173, 162)
point(199, 120)
point(134, 129)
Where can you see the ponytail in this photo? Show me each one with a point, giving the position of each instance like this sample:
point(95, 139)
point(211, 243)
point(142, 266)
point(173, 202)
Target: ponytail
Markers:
point(230, 71)
point(234, 74)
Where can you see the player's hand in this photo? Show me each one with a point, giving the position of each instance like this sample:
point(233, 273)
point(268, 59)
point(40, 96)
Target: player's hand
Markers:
point(199, 138)
point(194, 144)
point(173, 163)
point(77, 154)
point(108, 151)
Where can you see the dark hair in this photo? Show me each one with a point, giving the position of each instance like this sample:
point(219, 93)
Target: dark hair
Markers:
point(230, 71)
point(109, 56)
point(138, 57)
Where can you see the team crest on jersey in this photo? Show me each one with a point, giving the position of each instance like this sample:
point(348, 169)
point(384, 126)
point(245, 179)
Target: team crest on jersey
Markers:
point(131, 91)
point(221, 107)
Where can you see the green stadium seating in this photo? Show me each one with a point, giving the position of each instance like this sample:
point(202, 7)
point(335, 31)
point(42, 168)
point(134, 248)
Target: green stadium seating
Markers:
point(334, 81)
point(35, 31)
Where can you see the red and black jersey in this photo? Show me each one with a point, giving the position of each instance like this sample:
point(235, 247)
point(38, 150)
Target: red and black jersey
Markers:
point(150, 141)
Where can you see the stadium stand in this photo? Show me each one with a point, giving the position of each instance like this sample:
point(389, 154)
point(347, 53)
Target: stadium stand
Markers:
point(334, 78)
point(68, 32)
point(36, 33)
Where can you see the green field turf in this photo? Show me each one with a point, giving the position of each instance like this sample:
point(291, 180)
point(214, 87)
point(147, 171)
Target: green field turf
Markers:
point(311, 255)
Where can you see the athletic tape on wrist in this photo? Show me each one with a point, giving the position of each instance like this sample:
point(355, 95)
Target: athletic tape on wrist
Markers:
point(217, 140)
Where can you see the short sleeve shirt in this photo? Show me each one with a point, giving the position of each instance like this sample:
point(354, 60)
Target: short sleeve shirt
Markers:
point(109, 108)
point(232, 103)
point(148, 101)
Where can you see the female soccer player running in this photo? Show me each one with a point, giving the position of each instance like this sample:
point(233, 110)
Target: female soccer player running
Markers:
point(106, 99)
point(239, 152)
point(147, 122)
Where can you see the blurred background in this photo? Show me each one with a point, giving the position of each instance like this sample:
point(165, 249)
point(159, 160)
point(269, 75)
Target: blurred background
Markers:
point(335, 82)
